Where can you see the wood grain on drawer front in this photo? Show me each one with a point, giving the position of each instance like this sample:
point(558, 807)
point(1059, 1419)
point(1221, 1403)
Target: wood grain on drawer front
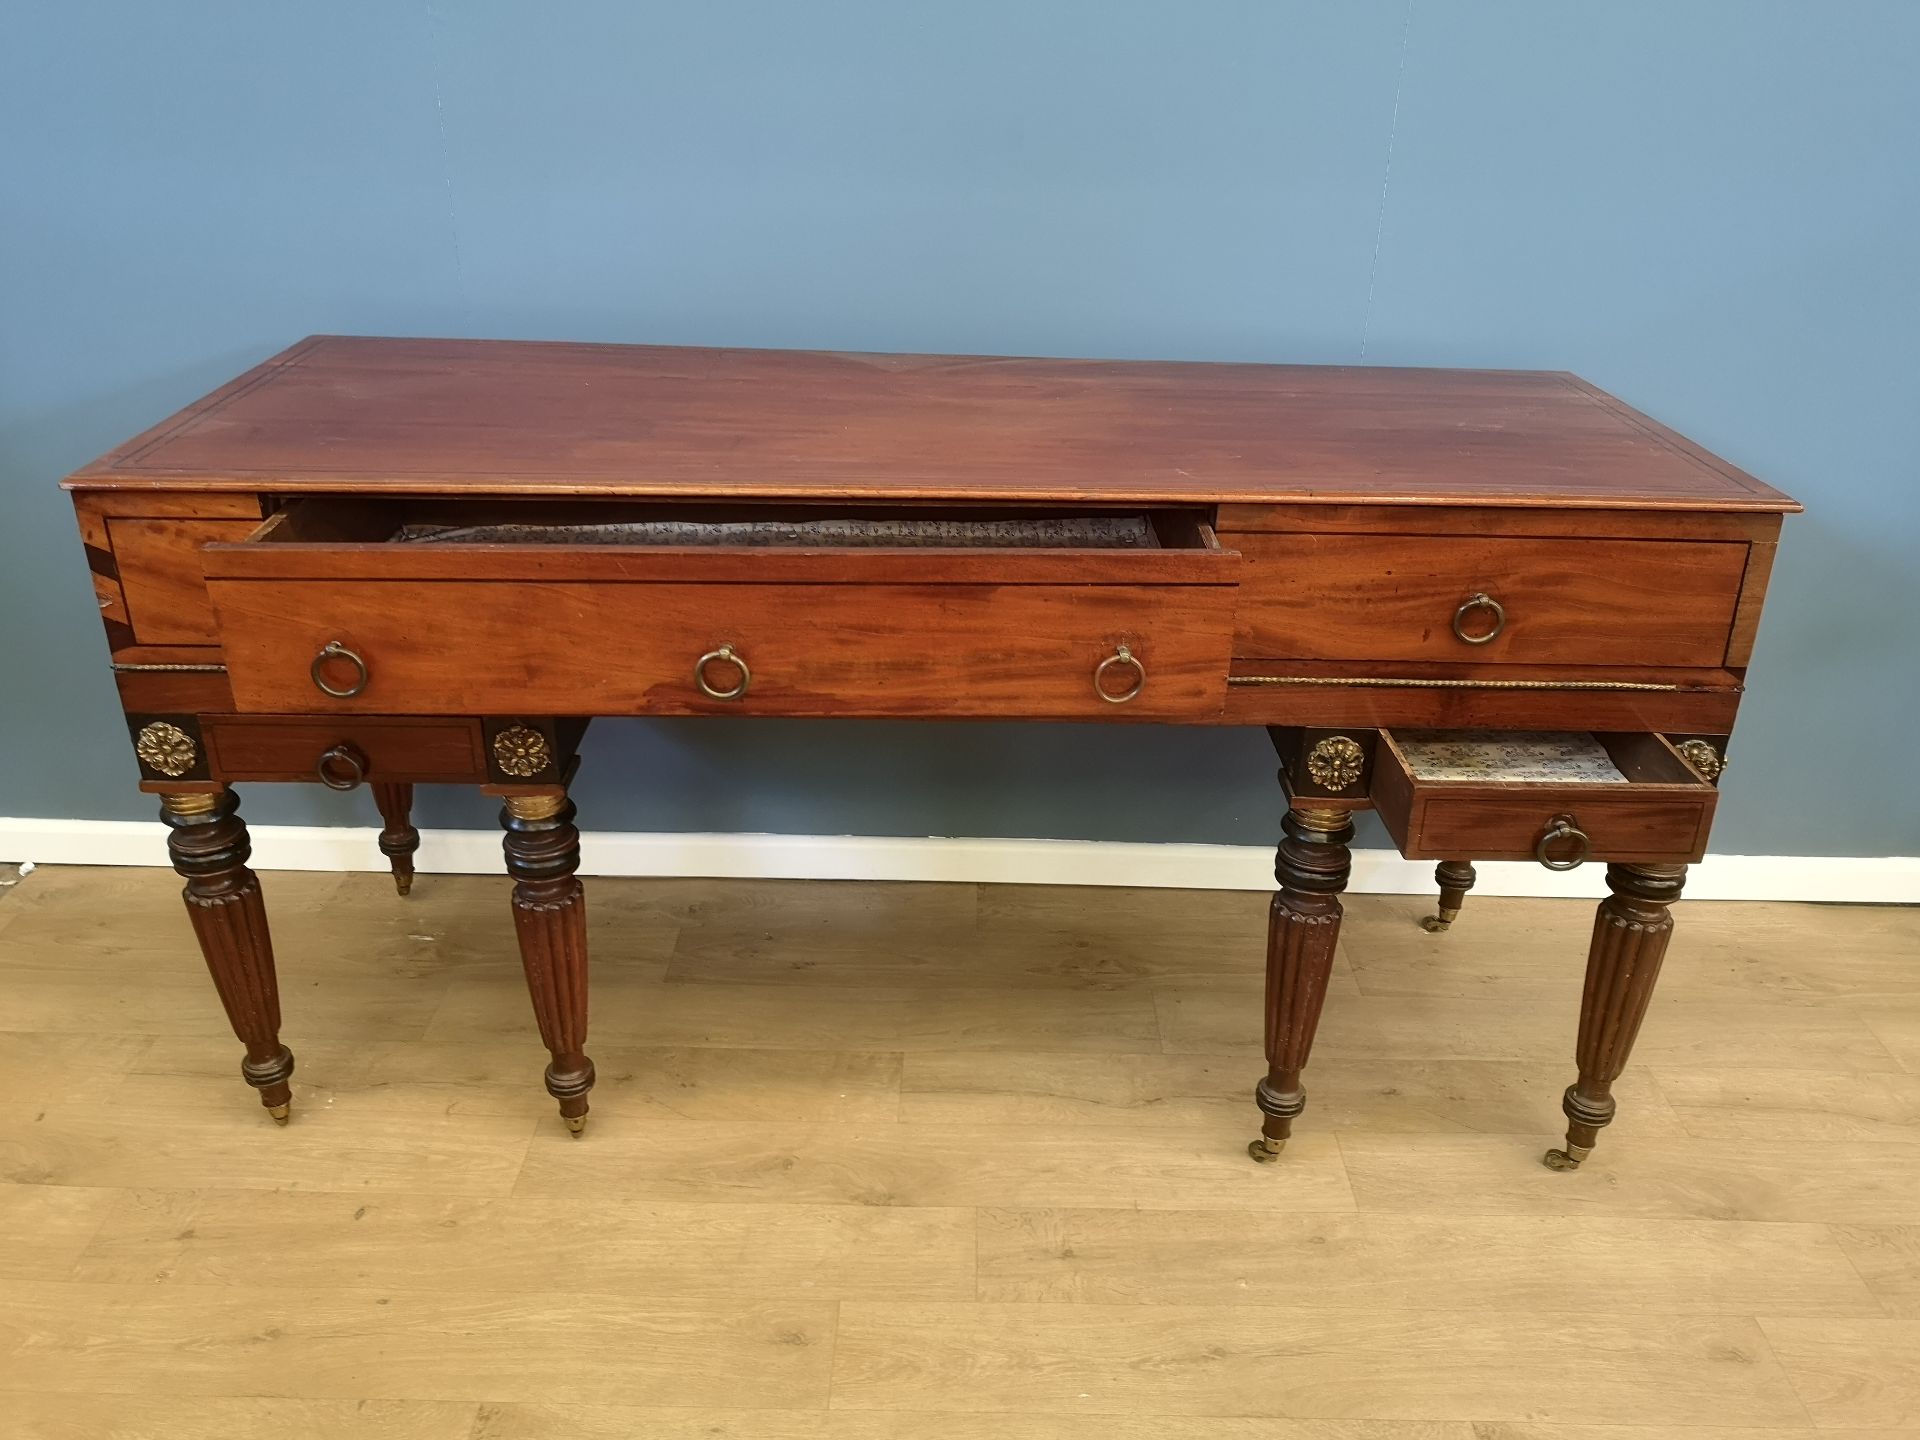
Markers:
point(160, 575)
point(1568, 601)
point(609, 648)
point(289, 747)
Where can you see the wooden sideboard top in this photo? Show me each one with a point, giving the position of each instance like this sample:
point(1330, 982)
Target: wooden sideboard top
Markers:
point(347, 414)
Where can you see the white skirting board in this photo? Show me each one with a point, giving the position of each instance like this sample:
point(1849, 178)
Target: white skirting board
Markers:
point(1884, 880)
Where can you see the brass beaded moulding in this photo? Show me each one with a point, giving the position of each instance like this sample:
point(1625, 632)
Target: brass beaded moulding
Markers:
point(1424, 683)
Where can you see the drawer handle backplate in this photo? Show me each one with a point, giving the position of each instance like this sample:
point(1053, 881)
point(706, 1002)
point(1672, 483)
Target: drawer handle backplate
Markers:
point(1479, 600)
point(334, 650)
point(1562, 827)
point(341, 768)
point(731, 657)
point(1122, 655)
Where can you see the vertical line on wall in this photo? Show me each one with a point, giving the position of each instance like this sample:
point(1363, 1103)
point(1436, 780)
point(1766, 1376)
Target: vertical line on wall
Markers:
point(446, 165)
point(1380, 223)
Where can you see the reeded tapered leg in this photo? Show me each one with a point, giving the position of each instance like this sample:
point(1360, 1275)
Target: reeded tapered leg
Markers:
point(209, 847)
point(1303, 924)
point(550, 914)
point(1455, 878)
point(398, 838)
point(1630, 937)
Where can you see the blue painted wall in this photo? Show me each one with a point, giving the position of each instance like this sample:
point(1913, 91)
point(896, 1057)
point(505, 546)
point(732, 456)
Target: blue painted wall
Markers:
point(1708, 208)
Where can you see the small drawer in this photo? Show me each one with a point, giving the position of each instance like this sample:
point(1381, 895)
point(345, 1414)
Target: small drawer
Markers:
point(1559, 798)
point(342, 751)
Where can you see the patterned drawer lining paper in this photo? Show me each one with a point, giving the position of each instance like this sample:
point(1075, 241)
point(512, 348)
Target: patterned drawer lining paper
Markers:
point(1493, 755)
point(1084, 532)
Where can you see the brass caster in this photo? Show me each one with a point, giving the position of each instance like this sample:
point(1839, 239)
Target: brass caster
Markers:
point(1436, 925)
point(575, 1123)
point(1567, 1159)
point(1265, 1151)
point(403, 884)
point(279, 1113)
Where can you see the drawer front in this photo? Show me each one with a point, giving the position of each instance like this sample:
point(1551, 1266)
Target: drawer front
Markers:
point(293, 747)
point(1560, 601)
point(1659, 814)
point(1619, 827)
point(608, 648)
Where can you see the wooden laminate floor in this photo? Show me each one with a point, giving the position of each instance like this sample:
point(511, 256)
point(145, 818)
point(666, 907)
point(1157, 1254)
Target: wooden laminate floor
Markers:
point(883, 1162)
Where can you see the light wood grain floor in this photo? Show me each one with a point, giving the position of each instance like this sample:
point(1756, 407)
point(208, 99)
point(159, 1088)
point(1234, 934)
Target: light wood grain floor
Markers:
point(885, 1162)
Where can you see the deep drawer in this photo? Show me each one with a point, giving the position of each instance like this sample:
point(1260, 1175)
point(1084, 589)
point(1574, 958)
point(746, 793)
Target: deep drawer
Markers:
point(1484, 795)
point(529, 626)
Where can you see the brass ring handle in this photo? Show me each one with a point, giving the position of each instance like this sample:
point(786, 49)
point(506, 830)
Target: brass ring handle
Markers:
point(731, 657)
point(1479, 600)
point(1562, 827)
point(334, 650)
point(1122, 655)
point(344, 755)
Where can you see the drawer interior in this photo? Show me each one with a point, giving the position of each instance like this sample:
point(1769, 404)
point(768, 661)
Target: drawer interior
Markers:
point(1559, 758)
point(638, 542)
point(640, 525)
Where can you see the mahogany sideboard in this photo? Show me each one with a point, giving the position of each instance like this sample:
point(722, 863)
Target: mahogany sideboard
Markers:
point(1501, 609)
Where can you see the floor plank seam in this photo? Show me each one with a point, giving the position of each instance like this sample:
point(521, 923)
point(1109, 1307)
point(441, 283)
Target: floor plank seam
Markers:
point(833, 1354)
point(1760, 1325)
point(1887, 1310)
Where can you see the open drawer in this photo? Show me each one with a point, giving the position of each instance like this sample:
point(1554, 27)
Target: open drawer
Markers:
point(1558, 798)
point(567, 607)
